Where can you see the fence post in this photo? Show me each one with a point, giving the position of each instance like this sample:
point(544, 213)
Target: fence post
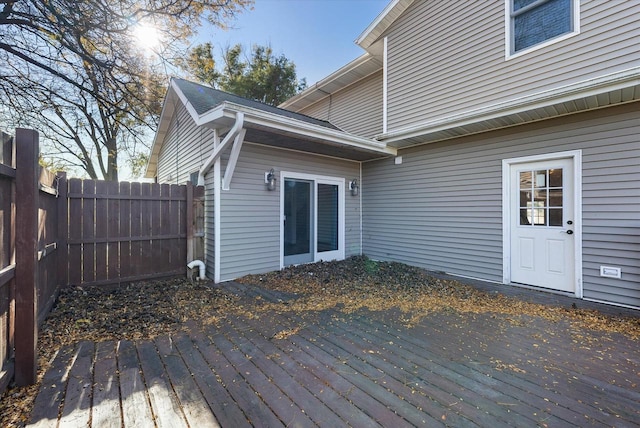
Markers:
point(63, 231)
point(189, 222)
point(26, 326)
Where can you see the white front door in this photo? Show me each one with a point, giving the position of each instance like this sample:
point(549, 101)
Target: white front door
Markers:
point(542, 224)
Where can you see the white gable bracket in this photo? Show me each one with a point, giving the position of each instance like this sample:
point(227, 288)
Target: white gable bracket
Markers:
point(233, 159)
point(237, 135)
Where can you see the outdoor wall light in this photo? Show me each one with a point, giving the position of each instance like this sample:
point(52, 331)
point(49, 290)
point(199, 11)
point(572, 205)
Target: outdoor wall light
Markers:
point(270, 179)
point(353, 186)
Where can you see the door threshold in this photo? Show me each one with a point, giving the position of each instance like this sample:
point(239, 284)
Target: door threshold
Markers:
point(545, 289)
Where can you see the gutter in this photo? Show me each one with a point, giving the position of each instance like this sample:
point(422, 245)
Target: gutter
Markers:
point(284, 123)
point(592, 87)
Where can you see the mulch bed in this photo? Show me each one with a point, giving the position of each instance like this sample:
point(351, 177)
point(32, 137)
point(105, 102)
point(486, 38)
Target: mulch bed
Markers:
point(145, 310)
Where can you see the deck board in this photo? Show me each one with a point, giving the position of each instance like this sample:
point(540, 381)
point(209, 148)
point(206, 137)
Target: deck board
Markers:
point(193, 404)
point(77, 401)
point(106, 395)
point(363, 369)
point(312, 380)
point(49, 399)
point(136, 408)
point(165, 405)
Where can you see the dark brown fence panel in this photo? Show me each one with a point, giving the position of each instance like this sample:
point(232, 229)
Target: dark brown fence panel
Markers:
point(123, 232)
point(48, 245)
point(7, 266)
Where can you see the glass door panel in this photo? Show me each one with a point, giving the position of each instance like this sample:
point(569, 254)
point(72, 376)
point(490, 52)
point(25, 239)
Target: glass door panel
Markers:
point(327, 234)
point(298, 221)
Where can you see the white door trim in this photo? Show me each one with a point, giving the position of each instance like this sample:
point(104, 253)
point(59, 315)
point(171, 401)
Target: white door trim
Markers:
point(576, 156)
point(316, 179)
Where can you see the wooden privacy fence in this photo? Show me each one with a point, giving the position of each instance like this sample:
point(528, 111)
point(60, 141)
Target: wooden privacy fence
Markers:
point(29, 260)
point(122, 232)
point(57, 232)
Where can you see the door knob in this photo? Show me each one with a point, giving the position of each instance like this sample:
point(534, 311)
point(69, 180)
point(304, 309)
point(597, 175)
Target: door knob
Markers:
point(569, 232)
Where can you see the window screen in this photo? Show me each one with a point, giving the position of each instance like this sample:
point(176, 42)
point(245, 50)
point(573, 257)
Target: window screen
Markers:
point(536, 21)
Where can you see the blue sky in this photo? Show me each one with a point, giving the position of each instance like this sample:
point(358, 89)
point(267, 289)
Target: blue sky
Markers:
point(317, 35)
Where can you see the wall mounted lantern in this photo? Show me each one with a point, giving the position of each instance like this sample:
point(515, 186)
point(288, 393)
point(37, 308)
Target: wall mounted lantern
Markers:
point(353, 186)
point(270, 179)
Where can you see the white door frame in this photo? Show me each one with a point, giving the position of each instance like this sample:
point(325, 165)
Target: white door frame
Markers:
point(339, 254)
point(576, 156)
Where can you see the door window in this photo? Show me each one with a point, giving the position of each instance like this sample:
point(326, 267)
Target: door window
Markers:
point(327, 235)
point(297, 217)
point(541, 197)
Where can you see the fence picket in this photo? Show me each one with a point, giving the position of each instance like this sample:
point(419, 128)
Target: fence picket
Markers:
point(88, 231)
point(73, 233)
point(113, 231)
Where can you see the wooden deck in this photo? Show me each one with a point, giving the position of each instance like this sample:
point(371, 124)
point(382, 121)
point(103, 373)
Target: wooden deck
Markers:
point(362, 370)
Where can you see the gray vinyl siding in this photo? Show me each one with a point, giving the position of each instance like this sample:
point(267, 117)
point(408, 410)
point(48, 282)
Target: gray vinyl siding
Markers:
point(250, 224)
point(186, 147)
point(445, 57)
point(441, 209)
point(357, 109)
point(209, 226)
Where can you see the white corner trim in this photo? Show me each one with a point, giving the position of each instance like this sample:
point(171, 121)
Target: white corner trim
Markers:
point(576, 156)
point(385, 91)
point(360, 202)
point(217, 189)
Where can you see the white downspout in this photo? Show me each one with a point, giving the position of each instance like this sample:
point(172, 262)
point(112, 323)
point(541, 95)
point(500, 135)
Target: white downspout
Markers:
point(201, 268)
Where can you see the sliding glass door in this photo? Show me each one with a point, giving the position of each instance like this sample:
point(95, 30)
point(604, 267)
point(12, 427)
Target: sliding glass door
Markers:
point(313, 218)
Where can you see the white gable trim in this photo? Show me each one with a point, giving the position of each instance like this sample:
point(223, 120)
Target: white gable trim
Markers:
point(382, 22)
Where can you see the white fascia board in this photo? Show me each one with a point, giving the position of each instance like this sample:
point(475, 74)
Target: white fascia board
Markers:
point(168, 107)
point(583, 89)
point(331, 79)
point(375, 24)
point(185, 101)
point(260, 117)
point(213, 115)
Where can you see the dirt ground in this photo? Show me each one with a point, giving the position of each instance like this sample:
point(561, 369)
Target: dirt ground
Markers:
point(144, 310)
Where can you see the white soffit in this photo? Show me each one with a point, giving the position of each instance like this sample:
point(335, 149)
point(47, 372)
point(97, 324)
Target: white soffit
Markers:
point(382, 22)
point(356, 70)
point(616, 88)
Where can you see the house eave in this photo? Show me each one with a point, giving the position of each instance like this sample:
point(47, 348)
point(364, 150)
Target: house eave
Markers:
point(356, 70)
point(258, 118)
point(382, 22)
point(615, 88)
point(223, 116)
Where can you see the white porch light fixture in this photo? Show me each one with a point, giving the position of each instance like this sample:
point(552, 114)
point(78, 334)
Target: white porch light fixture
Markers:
point(270, 179)
point(353, 186)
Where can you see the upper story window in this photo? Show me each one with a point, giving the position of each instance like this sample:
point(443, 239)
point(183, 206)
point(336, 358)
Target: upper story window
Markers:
point(531, 23)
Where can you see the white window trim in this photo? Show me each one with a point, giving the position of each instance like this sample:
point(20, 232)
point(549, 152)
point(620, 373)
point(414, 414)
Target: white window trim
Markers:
point(316, 179)
point(508, 54)
point(576, 155)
